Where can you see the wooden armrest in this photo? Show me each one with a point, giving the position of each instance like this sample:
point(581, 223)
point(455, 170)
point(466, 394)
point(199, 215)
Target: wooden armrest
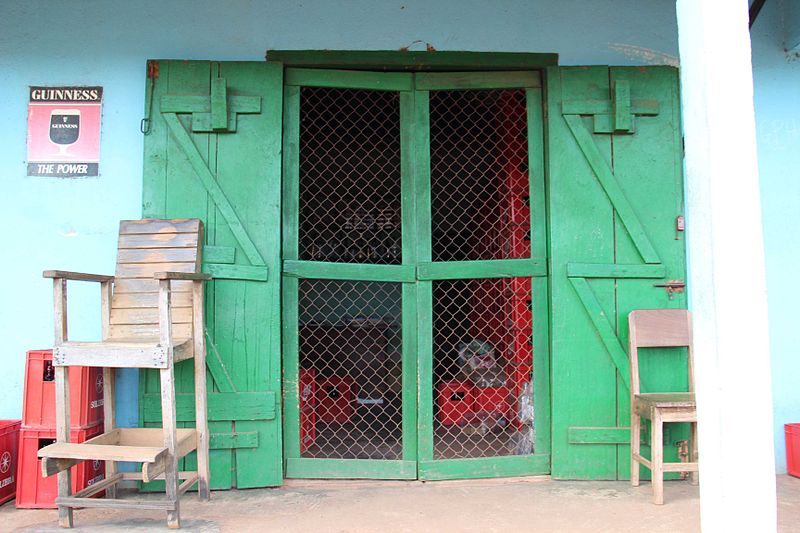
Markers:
point(76, 276)
point(184, 276)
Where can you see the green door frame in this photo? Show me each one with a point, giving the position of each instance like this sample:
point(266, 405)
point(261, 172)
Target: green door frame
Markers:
point(535, 267)
point(417, 273)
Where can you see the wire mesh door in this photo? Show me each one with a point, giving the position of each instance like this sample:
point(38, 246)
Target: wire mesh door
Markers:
point(487, 292)
point(349, 406)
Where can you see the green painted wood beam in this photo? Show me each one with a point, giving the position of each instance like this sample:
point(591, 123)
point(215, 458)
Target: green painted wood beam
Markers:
point(219, 104)
point(503, 268)
point(604, 328)
point(477, 80)
point(485, 467)
point(392, 60)
point(602, 270)
point(173, 103)
point(612, 189)
point(237, 439)
point(220, 375)
point(606, 107)
point(244, 272)
point(599, 435)
point(376, 81)
point(221, 406)
point(297, 467)
point(348, 271)
point(208, 180)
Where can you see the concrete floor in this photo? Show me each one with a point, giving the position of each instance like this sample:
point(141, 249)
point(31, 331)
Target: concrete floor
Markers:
point(506, 505)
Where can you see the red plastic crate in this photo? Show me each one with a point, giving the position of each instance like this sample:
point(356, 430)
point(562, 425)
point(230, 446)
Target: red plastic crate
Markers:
point(9, 435)
point(39, 405)
point(336, 398)
point(515, 174)
point(519, 287)
point(520, 241)
point(518, 375)
point(455, 399)
point(492, 400)
point(520, 351)
point(37, 492)
point(519, 211)
point(792, 448)
point(308, 405)
point(521, 312)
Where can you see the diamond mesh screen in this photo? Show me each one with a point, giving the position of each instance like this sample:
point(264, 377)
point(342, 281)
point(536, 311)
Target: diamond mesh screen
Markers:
point(350, 377)
point(350, 176)
point(482, 368)
point(479, 175)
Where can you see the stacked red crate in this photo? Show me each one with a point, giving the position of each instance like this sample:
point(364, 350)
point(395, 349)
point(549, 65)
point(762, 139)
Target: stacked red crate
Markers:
point(39, 427)
point(9, 434)
point(336, 396)
point(455, 400)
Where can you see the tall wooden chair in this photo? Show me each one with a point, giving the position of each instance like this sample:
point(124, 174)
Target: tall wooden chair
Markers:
point(152, 317)
point(657, 328)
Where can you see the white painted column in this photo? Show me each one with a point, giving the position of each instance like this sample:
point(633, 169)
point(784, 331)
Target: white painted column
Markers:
point(727, 286)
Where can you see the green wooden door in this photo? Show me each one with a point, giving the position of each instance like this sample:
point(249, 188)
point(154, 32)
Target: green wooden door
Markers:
point(213, 152)
point(615, 197)
point(440, 207)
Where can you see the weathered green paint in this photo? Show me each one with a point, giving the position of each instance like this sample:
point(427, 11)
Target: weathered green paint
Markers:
point(244, 272)
point(600, 270)
point(500, 268)
point(485, 467)
point(219, 254)
point(219, 104)
point(477, 80)
point(350, 469)
point(616, 435)
point(393, 60)
point(350, 271)
point(612, 237)
point(220, 441)
point(221, 406)
point(349, 79)
point(231, 181)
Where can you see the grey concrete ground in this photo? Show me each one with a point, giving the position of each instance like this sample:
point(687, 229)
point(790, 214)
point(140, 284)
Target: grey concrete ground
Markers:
point(519, 504)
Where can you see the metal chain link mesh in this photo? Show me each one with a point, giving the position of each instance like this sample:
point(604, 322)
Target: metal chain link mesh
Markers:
point(350, 356)
point(482, 365)
point(350, 176)
point(479, 156)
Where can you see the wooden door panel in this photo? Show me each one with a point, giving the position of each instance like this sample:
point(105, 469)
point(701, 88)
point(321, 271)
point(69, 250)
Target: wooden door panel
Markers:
point(213, 152)
point(615, 191)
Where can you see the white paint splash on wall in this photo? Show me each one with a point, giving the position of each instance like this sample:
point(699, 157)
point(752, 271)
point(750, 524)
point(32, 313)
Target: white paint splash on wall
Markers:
point(644, 55)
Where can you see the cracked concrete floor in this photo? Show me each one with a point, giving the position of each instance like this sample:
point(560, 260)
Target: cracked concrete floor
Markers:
point(503, 505)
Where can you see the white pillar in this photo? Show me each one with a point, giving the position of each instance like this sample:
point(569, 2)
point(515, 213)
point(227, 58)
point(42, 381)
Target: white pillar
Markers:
point(727, 286)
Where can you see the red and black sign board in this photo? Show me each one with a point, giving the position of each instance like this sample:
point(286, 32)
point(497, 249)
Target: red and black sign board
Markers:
point(64, 131)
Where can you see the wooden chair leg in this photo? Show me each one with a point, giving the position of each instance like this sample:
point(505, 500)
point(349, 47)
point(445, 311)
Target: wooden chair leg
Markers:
point(694, 477)
point(201, 410)
point(636, 424)
point(109, 423)
point(62, 435)
point(657, 458)
point(170, 442)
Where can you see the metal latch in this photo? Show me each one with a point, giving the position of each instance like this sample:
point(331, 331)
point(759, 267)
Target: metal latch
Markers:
point(672, 286)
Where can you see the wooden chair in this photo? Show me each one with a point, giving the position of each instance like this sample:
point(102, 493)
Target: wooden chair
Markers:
point(656, 328)
point(152, 317)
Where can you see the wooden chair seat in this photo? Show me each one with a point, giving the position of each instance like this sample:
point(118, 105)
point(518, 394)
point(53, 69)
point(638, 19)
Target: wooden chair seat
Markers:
point(663, 400)
point(139, 352)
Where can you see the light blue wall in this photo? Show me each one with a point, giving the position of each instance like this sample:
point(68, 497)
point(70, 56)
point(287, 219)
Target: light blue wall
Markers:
point(777, 87)
point(72, 224)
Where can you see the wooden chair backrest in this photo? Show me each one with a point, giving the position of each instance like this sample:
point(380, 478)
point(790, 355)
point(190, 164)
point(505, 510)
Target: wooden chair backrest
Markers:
point(658, 328)
point(145, 247)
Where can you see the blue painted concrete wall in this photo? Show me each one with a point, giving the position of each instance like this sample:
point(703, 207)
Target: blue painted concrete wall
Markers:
point(776, 87)
point(72, 224)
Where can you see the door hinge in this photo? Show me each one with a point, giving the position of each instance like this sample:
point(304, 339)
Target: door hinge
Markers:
point(672, 286)
point(152, 76)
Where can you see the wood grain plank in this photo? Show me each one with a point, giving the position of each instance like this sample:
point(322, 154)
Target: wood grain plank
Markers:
point(180, 315)
point(176, 225)
point(158, 240)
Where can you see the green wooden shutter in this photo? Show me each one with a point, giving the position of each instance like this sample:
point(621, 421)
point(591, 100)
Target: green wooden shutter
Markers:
point(615, 191)
point(213, 151)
